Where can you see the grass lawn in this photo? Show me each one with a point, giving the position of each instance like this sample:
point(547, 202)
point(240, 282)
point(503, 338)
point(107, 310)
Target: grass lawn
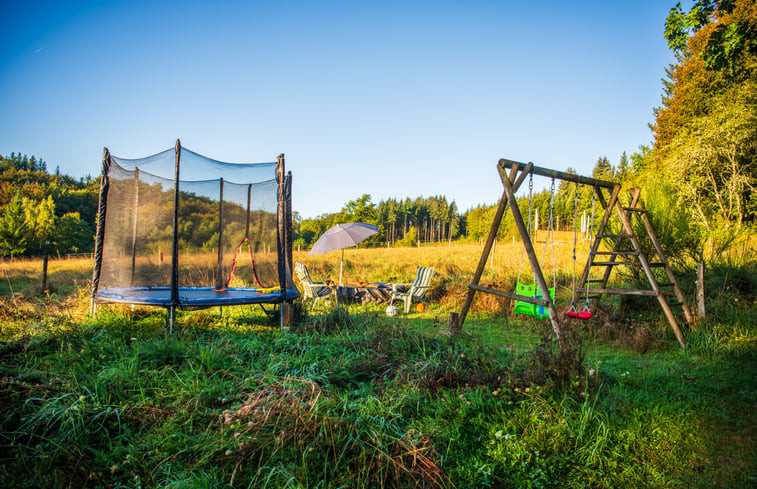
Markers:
point(352, 398)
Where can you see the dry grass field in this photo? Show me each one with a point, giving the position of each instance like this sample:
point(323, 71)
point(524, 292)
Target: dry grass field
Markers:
point(454, 264)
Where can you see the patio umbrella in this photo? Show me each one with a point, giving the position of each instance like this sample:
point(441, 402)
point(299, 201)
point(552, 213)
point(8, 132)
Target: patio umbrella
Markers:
point(341, 236)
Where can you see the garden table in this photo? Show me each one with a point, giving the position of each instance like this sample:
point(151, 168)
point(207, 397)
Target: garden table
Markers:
point(377, 293)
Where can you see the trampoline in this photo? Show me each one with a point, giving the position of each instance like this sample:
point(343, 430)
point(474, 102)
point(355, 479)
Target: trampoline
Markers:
point(172, 226)
point(193, 296)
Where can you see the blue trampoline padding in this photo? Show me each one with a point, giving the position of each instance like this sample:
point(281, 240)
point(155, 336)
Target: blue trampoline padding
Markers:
point(191, 296)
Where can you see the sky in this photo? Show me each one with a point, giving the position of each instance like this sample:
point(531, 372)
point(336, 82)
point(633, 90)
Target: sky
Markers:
point(389, 98)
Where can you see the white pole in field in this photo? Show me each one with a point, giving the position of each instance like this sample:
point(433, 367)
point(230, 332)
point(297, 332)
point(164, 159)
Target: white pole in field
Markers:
point(586, 218)
point(341, 263)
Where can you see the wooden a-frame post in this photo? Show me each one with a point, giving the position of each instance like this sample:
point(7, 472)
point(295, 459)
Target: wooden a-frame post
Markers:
point(511, 185)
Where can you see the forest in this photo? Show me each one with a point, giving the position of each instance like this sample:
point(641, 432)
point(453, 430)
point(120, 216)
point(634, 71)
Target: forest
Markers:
point(42, 212)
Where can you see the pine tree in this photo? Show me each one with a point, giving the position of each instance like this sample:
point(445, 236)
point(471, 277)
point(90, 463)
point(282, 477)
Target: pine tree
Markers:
point(13, 228)
point(622, 171)
point(602, 169)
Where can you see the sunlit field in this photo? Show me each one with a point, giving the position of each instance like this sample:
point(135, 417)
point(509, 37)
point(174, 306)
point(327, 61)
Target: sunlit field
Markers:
point(386, 264)
point(351, 398)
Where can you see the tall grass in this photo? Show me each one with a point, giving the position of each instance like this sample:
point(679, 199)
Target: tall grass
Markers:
point(351, 398)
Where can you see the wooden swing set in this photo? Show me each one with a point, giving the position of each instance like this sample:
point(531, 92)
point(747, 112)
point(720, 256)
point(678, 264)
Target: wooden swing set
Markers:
point(538, 299)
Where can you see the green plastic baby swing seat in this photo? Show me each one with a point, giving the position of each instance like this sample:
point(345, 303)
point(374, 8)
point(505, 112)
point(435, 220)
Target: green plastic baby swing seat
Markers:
point(528, 309)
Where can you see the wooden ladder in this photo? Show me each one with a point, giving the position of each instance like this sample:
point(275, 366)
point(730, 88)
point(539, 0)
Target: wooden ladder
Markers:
point(646, 258)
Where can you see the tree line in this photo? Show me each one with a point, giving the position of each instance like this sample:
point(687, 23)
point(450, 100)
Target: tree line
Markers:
point(42, 212)
point(409, 221)
point(400, 221)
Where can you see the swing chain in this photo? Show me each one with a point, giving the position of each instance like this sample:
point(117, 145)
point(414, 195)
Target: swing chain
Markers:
point(530, 196)
point(575, 233)
point(551, 233)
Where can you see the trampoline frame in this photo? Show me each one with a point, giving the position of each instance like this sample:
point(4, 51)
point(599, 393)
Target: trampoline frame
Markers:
point(192, 297)
point(180, 297)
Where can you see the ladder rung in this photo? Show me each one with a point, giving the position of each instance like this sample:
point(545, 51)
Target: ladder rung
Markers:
point(634, 209)
point(615, 263)
point(595, 280)
point(615, 236)
point(675, 304)
point(614, 291)
point(627, 253)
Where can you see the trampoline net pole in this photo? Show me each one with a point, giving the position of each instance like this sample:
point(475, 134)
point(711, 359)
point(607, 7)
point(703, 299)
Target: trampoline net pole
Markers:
point(100, 231)
point(281, 236)
point(280, 224)
point(219, 267)
point(247, 225)
point(134, 227)
point(289, 243)
point(175, 244)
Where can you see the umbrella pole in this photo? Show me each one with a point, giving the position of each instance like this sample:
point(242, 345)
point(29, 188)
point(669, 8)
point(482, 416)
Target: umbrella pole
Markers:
point(341, 263)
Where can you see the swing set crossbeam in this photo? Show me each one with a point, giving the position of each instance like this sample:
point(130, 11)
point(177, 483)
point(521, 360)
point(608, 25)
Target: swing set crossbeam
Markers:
point(560, 175)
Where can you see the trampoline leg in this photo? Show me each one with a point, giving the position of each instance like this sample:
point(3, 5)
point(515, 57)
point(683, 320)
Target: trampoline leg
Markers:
point(170, 319)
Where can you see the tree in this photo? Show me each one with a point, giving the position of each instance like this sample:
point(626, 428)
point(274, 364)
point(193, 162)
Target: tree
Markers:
point(705, 132)
point(713, 159)
point(621, 172)
point(13, 229)
point(602, 169)
point(730, 37)
point(679, 25)
point(361, 210)
point(72, 235)
point(45, 222)
point(454, 221)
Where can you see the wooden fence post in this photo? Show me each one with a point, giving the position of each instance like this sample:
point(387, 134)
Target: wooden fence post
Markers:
point(44, 266)
point(700, 285)
point(453, 326)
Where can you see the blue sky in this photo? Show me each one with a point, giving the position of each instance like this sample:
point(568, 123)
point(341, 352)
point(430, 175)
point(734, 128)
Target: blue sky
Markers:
point(388, 98)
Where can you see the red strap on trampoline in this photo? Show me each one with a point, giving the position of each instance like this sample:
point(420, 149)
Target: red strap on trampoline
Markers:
point(234, 265)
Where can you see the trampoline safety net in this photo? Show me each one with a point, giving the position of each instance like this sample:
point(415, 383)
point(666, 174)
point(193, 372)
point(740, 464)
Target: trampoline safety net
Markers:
point(224, 218)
